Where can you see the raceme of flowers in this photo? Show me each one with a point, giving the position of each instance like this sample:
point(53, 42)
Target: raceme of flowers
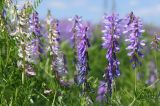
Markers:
point(134, 30)
point(36, 43)
point(58, 62)
point(81, 44)
point(23, 36)
point(111, 34)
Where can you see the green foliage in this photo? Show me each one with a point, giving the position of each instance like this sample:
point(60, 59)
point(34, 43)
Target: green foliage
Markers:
point(1, 5)
point(36, 3)
point(13, 93)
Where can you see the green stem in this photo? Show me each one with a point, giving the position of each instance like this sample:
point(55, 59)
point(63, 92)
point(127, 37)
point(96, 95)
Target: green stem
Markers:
point(23, 77)
point(155, 57)
point(132, 103)
point(135, 85)
point(114, 85)
point(53, 103)
point(23, 71)
point(8, 52)
point(135, 98)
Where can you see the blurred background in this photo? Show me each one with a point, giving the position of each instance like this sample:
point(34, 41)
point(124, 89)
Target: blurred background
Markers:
point(93, 10)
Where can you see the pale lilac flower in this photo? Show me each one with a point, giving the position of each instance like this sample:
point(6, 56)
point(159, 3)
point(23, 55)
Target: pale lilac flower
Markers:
point(59, 61)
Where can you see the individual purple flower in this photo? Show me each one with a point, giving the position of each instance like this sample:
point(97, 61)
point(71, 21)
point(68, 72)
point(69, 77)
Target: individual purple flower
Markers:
point(110, 38)
point(102, 90)
point(134, 29)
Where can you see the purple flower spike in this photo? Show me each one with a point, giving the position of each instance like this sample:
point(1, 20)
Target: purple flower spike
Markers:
point(36, 44)
point(82, 63)
point(58, 57)
point(81, 44)
point(134, 28)
point(110, 38)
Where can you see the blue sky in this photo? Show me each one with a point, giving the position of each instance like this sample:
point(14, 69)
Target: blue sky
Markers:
point(93, 10)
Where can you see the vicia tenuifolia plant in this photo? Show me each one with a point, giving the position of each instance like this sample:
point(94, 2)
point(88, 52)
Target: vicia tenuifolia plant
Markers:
point(133, 31)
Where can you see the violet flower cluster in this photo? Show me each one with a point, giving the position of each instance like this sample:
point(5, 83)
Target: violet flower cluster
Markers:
point(110, 38)
point(36, 44)
point(81, 45)
point(35, 25)
point(134, 30)
point(82, 63)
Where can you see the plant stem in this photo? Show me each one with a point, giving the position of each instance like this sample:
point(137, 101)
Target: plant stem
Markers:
point(135, 85)
point(53, 103)
point(132, 102)
point(23, 71)
point(114, 85)
point(155, 57)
